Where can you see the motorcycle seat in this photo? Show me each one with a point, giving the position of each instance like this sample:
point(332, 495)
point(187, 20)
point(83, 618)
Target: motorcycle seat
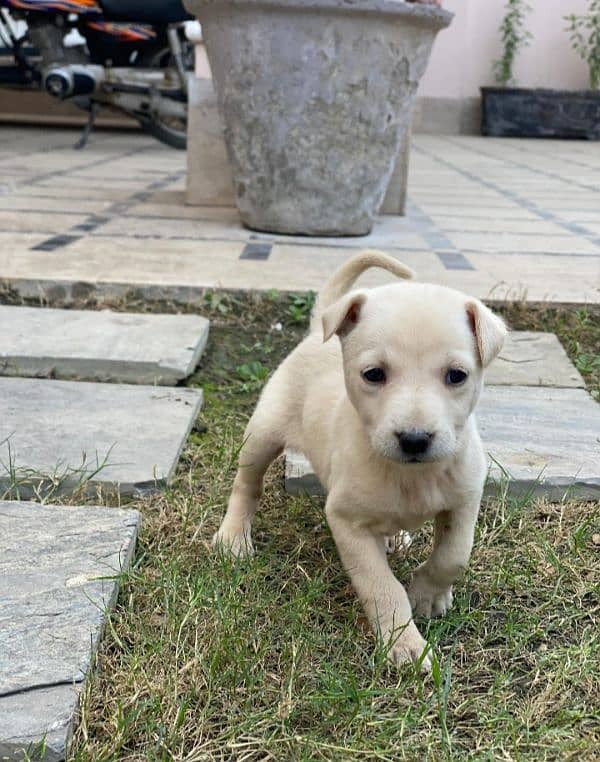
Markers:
point(154, 12)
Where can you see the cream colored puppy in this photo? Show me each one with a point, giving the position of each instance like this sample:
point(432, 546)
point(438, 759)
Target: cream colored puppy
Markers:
point(385, 415)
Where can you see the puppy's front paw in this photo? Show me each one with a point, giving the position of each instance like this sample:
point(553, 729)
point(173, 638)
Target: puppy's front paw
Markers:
point(426, 599)
point(237, 544)
point(411, 647)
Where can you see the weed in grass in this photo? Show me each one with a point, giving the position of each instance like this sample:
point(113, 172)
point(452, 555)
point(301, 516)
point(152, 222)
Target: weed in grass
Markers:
point(217, 302)
point(35, 751)
point(24, 483)
point(261, 347)
point(300, 307)
point(253, 375)
point(586, 363)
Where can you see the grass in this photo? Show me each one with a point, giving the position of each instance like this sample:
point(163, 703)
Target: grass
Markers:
point(23, 483)
point(270, 659)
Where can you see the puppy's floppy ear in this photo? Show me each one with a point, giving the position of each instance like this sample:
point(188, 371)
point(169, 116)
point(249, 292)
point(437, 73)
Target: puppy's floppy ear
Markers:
point(342, 315)
point(489, 330)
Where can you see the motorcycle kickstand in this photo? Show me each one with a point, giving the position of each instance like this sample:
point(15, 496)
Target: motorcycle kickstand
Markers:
point(82, 142)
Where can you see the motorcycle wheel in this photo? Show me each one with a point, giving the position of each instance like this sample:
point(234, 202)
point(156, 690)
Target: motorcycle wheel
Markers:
point(176, 138)
point(172, 132)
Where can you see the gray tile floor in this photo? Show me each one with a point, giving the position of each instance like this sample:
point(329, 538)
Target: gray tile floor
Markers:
point(497, 218)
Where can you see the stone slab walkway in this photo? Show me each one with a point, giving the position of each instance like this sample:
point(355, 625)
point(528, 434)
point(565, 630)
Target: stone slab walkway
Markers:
point(533, 358)
point(59, 568)
point(126, 438)
point(500, 219)
point(539, 426)
point(133, 348)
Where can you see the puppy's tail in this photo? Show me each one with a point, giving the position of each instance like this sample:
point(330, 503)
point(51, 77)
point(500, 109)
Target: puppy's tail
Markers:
point(343, 279)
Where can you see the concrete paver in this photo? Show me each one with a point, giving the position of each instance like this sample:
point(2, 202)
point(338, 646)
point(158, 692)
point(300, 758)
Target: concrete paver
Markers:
point(59, 567)
point(100, 345)
point(503, 219)
point(123, 438)
point(533, 358)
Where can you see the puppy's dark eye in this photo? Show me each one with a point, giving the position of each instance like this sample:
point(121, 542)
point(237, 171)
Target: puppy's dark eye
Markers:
point(455, 377)
point(374, 375)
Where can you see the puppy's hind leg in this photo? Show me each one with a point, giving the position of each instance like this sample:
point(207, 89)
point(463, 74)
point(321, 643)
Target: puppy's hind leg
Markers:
point(262, 444)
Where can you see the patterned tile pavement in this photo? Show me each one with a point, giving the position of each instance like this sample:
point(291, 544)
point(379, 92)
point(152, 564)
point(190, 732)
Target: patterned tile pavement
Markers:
point(500, 219)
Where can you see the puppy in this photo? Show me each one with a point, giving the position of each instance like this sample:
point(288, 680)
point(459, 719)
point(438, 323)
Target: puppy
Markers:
point(384, 412)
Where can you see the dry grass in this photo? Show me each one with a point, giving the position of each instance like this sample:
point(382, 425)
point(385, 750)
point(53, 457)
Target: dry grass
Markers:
point(209, 659)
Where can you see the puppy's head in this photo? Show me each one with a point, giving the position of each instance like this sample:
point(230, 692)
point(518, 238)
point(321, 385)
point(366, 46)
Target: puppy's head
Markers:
point(413, 358)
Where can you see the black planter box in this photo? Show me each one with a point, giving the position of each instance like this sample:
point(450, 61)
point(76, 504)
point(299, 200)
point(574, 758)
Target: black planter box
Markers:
point(532, 113)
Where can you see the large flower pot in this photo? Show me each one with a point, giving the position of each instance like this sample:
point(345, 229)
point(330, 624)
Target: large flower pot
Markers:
point(538, 113)
point(315, 96)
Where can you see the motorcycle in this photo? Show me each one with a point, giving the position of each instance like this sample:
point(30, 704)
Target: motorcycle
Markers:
point(122, 54)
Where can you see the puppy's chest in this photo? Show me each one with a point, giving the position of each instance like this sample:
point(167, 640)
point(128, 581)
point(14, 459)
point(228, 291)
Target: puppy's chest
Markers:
point(409, 506)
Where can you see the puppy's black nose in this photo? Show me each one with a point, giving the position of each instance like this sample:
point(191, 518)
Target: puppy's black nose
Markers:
point(414, 442)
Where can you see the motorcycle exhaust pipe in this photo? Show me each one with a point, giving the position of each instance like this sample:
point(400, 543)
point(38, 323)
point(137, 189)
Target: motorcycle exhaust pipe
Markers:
point(69, 80)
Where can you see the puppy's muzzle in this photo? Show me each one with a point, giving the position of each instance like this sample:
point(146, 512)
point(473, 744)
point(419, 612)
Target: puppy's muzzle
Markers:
point(414, 444)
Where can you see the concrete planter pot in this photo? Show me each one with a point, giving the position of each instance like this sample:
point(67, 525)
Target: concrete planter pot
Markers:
point(315, 96)
point(538, 113)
